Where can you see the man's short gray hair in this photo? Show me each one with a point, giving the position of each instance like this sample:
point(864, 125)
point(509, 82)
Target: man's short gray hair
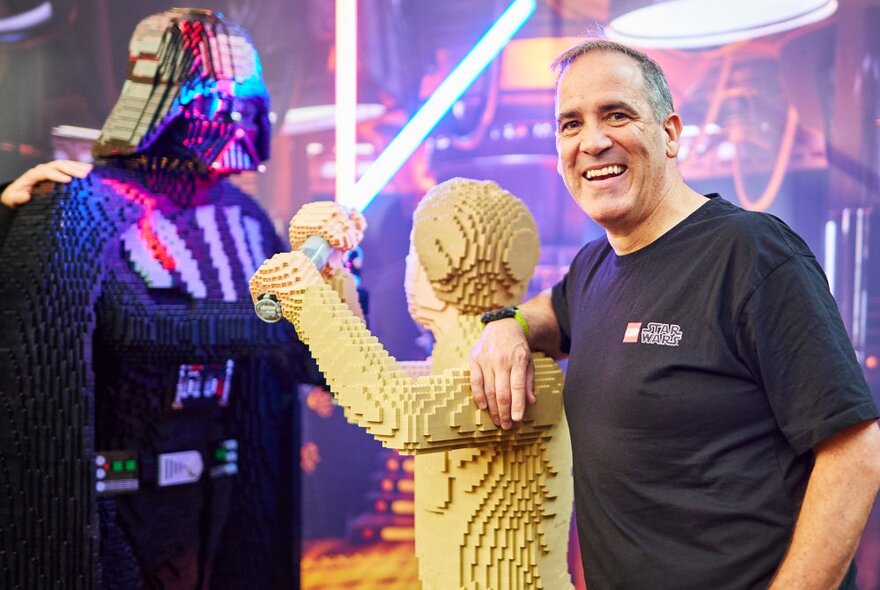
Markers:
point(656, 88)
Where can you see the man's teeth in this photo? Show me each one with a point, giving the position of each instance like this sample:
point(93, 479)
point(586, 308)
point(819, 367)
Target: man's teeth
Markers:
point(606, 171)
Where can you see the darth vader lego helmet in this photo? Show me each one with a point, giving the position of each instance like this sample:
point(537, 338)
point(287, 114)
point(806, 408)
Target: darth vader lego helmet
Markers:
point(194, 93)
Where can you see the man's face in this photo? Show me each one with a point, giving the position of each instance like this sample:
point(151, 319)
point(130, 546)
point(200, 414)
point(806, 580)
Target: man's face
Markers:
point(613, 154)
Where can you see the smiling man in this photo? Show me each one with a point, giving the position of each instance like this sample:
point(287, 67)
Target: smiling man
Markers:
point(617, 151)
point(722, 432)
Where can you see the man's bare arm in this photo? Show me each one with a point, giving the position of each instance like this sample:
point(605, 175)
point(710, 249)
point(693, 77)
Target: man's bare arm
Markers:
point(501, 369)
point(838, 500)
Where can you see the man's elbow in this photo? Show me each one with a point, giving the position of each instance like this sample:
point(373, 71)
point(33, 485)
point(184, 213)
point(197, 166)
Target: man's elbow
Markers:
point(864, 447)
point(872, 457)
point(857, 450)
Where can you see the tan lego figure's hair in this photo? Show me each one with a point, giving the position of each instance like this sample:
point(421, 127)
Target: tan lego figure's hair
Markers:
point(477, 243)
point(493, 506)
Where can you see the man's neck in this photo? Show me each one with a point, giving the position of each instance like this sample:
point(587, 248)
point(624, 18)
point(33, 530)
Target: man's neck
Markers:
point(677, 205)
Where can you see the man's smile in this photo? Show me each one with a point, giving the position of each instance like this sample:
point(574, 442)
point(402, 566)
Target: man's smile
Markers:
point(604, 172)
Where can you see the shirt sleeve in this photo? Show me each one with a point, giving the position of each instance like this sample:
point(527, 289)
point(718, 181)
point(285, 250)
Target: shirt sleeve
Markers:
point(559, 298)
point(791, 336)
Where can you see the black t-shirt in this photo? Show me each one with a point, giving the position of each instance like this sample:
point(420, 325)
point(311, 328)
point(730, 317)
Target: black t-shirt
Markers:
point(703, 369)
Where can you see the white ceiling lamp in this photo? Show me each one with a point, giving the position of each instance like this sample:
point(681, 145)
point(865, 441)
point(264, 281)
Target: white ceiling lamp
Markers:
point(692, 24)
point(20, 21)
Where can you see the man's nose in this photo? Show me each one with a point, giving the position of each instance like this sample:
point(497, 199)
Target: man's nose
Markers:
point(594, 140)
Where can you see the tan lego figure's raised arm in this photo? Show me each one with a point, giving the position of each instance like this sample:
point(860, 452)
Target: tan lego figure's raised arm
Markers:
point(434, 412)
point(492, 506)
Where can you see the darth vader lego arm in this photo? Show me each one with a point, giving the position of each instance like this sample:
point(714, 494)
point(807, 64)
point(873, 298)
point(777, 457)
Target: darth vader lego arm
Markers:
point(49, 283)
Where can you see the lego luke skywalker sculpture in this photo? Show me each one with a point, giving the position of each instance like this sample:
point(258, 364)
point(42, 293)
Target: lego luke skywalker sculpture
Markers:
point(492, 506)
point(145, 425)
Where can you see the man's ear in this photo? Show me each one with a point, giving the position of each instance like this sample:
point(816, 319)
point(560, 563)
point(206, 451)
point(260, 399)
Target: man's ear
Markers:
point(672, 129)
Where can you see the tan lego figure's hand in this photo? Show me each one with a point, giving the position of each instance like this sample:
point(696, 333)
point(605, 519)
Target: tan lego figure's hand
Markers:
point(343, 228)
point(284, 277)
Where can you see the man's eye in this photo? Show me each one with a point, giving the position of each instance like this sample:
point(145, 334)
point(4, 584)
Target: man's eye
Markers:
point(568, 125)
point(617, 117)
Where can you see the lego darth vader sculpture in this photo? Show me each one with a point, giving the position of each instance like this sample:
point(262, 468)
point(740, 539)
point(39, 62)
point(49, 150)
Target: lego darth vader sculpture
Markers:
point(146, 428)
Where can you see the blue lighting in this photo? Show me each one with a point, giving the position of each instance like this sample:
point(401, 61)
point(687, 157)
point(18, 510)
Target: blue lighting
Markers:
point(439, 103)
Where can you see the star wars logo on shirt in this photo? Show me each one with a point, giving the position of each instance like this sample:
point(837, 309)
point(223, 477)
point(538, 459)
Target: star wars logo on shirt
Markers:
point(202, 385)
point(653, 333)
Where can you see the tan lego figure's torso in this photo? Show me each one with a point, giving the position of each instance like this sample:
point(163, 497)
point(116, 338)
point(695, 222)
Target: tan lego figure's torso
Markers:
point(493, 506)
point(498, 514)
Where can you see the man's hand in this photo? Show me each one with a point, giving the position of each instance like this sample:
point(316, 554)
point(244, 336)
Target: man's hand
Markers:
point(502, 372)
point(20, 190)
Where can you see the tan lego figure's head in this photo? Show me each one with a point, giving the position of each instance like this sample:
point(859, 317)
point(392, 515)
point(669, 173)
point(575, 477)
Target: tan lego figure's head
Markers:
point(473, 248)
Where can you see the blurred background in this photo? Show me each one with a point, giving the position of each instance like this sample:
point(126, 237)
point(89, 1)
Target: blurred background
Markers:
point(781, 104)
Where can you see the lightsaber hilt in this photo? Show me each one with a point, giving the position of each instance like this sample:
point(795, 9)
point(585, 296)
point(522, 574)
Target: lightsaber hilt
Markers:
point(318, 250)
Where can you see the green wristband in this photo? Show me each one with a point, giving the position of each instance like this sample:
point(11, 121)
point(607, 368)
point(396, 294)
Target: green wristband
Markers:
point(519, 317)
point(510, 311)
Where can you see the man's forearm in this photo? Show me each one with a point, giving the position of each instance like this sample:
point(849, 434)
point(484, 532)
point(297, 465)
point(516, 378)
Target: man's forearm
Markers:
point(838, 500)
point(544, 332)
